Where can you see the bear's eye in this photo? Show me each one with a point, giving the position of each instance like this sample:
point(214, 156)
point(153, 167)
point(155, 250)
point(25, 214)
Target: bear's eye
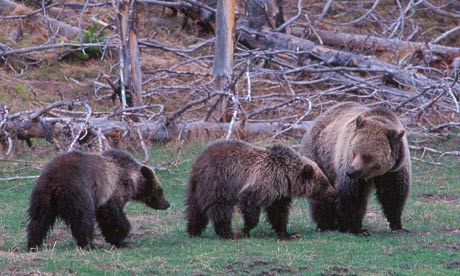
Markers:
point(367, 158)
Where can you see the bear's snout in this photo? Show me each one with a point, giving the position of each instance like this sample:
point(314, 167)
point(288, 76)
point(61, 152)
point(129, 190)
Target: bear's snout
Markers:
point(331, 193)
point(164, 204)
point(353, 173)
point(159, 203)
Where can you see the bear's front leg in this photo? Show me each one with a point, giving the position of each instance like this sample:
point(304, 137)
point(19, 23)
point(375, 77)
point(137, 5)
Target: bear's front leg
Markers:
point(113, 222)
point(351, 205)
point(392, 192)
point(278, 216)
point(323, 213)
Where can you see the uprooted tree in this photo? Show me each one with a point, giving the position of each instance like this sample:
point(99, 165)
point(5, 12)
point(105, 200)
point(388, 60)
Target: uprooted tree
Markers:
point(291, 60)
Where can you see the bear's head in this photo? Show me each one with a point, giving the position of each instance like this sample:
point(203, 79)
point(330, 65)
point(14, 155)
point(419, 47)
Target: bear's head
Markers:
point(150, 191)
point(313, 182)
point(305, 177)
point(376, 148)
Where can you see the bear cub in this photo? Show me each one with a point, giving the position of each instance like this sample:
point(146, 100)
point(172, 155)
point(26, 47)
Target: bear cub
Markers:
point(82, 188)
point(360, 149)
point(228, 173)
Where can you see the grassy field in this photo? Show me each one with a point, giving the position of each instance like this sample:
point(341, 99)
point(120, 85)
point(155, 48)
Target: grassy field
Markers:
point(159, 244)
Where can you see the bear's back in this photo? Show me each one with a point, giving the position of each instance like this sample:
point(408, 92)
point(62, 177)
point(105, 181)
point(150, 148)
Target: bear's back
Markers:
point(77, 171)
point(225, 162)
point(338, 114)
point(338, 122)
point(73, 165)
point(238, 153)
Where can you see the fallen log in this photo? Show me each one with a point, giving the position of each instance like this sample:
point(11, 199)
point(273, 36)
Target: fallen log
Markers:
point(63, 29)
point(83, 131)
point(162, 130)
point(348, 61)
point(373, 43)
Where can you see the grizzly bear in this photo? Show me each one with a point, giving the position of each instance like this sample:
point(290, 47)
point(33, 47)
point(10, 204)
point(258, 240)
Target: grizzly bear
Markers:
point(228, 173)
point(359, 149)
point(82, 188)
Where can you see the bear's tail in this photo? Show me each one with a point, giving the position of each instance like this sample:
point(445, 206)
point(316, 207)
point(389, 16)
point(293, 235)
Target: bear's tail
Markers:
point(196, 219)
point(42, 216)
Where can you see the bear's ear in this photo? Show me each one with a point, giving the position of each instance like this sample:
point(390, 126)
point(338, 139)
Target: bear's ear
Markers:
point(147, 173)
point(307, 171)
point(359, 122)
point(396, 135)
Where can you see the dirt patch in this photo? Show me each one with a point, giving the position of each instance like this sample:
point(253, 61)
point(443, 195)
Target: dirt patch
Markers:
point(135, 236)
point(454, 265)
point(59, 234)
point(433, 198)
point(305, 268)
point(454, 231)
point(143, 219)
point(256, 267)
point(108, 267)
point(14, 250)
point(437, 246)
point(338, 271)
point(18, 270)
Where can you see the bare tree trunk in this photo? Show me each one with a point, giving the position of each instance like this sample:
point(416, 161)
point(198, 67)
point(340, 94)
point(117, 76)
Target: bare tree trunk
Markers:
point(130, 71)
point(136, 73)
point(265, 13)
point(223, 52)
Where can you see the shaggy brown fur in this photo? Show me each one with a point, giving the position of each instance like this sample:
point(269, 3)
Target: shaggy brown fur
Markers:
point(229, 173)
point(81, 188)
point(359, 148)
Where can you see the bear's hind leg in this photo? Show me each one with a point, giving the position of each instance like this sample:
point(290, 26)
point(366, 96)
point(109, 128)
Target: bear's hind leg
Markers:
point(221, 216)
point(278, 216)
point(392, 192)
point(113, 223)
point(196, 219)
point(42, 216)
point(79, 215)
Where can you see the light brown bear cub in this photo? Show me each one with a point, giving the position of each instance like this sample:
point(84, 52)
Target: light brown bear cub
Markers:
point(228, 173)
point(82, 188)
point(359, 149)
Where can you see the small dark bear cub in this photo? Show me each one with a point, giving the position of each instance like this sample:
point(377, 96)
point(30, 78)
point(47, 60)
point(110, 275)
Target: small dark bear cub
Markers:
point(228, 173)
point(81, 188)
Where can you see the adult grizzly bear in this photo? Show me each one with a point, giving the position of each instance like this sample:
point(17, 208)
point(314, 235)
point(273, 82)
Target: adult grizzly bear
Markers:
point(359, 148)
point(230, 172)
point(82, 187)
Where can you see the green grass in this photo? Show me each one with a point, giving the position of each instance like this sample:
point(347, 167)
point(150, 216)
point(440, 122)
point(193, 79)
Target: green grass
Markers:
point(159, 244)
